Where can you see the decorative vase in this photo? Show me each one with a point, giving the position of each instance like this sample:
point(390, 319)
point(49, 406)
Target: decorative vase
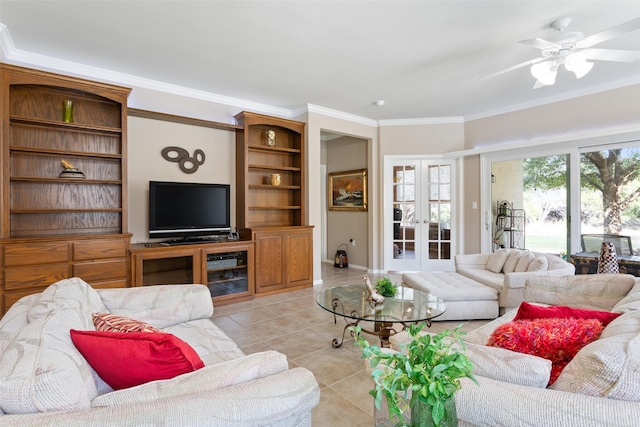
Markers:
point(608, 261)
point(421, 413)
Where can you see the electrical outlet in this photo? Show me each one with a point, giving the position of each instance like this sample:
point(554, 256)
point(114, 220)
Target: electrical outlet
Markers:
point(353, 242)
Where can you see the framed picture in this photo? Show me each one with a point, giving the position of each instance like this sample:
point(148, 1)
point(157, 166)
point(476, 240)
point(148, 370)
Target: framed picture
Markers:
point(348, 190)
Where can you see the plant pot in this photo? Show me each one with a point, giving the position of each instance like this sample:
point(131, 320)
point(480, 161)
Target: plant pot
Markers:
point(421, 413)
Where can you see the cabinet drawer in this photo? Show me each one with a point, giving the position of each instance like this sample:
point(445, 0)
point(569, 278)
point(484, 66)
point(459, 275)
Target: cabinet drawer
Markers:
point(101, 271)
point(98, 249)
point(110, 284)
point(17, 278)
point(35, 253)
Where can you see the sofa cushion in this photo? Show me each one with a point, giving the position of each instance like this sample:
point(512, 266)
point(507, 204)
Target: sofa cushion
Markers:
point(208, 340)
point(160, 306)
point(557, 340)
point(509, 366)
point(631, 302)
point(512, 261)
point(610, 366)
point(597, 291)
point(496, 260)
point(539, 263)
point(247, 368)
point(532, 311)
point(127, 359)
point(107, 322)
point(42, 371)
point(67, 293)
point(524, 261)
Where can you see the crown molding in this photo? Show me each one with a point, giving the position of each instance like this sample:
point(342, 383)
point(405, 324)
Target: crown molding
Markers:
point(311, 108)
point(22, 58)
point(9, 54)
point(556, 98)
point(423, 121)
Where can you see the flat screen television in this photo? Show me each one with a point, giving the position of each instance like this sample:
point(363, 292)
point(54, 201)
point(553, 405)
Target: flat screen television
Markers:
point(182, 210)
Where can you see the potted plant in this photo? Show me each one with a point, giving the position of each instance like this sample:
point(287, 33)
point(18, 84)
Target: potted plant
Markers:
point(386, 287)
point(430, 367)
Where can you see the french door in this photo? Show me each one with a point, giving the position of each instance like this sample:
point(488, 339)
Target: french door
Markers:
point(418, 198)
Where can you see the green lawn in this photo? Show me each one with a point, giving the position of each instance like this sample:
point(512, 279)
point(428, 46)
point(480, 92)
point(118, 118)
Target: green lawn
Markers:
point(550, 244)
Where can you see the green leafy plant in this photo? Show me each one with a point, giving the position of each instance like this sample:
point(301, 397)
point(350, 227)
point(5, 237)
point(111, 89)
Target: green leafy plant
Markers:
point(386, 287)
point(431, 366)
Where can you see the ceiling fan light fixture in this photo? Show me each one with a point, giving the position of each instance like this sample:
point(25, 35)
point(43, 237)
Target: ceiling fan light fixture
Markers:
point(577, 62)
point(545, 72)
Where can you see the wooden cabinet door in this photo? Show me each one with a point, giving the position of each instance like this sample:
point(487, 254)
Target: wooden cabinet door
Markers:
point(270, 261)
point(299, 259)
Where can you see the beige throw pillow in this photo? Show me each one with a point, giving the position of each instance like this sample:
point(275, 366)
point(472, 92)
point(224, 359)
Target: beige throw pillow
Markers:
point(539, 263)
point(512, 261)
point(524, 262)
point(496, 260)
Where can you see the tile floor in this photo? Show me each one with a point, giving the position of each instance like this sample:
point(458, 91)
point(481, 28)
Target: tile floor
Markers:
point(292, 323)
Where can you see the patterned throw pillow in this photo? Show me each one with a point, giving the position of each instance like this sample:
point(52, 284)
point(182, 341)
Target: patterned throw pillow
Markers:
point(558, 340)
point(107, 322)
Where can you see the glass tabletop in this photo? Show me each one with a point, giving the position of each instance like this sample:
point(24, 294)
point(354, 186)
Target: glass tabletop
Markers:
point(409, 305)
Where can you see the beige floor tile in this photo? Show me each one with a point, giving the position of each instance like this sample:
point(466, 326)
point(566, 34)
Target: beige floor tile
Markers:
point(334, 410)
point(292, 323)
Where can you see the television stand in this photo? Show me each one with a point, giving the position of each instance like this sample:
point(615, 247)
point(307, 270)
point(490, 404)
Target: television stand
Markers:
point(226, 268)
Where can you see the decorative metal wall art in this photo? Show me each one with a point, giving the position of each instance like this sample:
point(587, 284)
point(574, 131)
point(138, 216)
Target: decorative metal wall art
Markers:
point(188, 164)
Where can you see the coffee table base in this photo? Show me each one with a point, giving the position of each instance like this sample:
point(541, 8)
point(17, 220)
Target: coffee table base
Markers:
point(383, 330)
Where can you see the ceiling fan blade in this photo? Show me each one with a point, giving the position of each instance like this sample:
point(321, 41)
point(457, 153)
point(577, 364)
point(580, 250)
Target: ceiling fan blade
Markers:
point(538, 85)
point(612, 32)
point(515, 67)
point(540, 43)
point(616, 55)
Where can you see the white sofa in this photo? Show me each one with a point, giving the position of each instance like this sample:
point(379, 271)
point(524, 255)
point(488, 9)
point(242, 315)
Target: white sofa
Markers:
point(600, 386)
point(500, 271)
point(45, 381)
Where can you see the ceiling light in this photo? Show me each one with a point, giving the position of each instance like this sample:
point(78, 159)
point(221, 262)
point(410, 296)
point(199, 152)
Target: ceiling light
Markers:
point(545, 72)
point(577, 62)
point(379, 102)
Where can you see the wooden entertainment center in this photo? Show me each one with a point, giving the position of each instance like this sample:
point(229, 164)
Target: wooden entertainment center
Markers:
point(56, 226)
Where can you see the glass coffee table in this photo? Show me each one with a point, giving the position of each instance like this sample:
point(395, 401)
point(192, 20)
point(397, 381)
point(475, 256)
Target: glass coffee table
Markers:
point(408, 306)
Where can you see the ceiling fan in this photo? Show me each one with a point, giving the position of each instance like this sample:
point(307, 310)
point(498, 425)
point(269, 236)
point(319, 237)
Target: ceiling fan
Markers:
point(574, 51)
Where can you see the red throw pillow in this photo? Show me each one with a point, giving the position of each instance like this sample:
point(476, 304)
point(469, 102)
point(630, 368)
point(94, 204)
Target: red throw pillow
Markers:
point(558, 340)
point(127, 359)
point(530, 311)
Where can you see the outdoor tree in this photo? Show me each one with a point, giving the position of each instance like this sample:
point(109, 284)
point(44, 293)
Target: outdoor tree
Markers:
point(615, 174)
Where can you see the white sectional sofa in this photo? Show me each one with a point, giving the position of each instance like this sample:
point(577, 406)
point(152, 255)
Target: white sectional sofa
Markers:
point(599, 387)
point(507, 270)
point(45, 381)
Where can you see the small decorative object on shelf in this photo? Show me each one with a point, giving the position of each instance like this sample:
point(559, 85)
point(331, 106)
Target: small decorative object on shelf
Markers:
point(374, 296)
point(276, 179)
point(271, 138)
point(70, 171)
point(608, 261)
point(67, 111)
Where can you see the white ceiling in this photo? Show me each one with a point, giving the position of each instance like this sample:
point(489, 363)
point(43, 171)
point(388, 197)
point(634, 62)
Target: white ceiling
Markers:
point(424, 58)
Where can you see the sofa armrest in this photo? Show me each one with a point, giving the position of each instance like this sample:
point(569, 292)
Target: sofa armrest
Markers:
point(162, 305)
point(283, 399)
point(496, 403)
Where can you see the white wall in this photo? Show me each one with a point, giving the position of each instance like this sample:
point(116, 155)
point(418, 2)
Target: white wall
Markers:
point(147, 138)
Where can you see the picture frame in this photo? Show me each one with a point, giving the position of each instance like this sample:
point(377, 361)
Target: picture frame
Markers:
point(347, 190)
